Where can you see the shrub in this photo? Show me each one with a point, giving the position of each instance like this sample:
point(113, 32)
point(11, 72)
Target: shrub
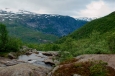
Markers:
point(3, 37)
point(98, 68)
point(111, 42)
point(8, 44)
point(14, 44)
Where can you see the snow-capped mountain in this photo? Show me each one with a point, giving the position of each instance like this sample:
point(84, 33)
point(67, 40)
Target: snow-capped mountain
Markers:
point(57, 25)
point(86, 18)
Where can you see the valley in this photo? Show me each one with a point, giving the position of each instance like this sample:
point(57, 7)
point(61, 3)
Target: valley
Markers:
point(56, 45)
point(38, 28)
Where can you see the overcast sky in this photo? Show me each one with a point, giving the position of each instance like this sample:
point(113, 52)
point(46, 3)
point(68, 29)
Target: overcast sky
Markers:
point(74, 8)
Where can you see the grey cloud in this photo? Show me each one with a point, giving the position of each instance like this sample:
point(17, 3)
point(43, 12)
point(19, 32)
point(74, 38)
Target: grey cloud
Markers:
point(64, 7)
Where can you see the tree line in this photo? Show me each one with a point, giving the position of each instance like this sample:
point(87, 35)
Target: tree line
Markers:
point(7, 43)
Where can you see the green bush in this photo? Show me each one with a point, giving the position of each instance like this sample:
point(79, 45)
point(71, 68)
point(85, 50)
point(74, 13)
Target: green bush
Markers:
point(111, 42)
point(8, 44)
point(14, 44)
point(3, 37)
point(98, 68)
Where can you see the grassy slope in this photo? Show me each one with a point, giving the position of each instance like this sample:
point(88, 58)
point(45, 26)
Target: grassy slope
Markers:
point(30, 36)
point(102, 25)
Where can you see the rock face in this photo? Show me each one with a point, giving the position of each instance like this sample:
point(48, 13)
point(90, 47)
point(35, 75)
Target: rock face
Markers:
point(109, 58)
point(23, 69)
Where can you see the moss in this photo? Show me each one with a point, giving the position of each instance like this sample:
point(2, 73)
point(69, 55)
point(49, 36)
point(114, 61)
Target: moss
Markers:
point(72, 60)
point(88, 68)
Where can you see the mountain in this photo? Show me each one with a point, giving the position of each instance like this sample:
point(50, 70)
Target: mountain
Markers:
point(95, 37)
point(102, 25)
point(56, 25)
point(86, 18)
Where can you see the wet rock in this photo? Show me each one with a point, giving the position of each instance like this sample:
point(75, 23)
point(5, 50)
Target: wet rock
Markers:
point(30, 60)
point(50, 53)
point(2, 65)
point(49, 62)
point(11, 62)
point(47, 54)
point(24, 69)
point(11, 55)
point(28, 53)
point(35, 51)
point(76, 75)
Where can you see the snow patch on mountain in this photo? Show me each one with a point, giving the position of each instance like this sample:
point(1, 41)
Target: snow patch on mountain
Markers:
point(86, 18)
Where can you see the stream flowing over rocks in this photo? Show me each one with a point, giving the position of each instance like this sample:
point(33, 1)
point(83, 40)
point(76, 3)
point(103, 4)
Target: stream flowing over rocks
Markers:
point(32, 63)
point(39, 63)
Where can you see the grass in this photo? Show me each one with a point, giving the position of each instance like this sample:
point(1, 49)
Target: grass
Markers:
point(4, 54)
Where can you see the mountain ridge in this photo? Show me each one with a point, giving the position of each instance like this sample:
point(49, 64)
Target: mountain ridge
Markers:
point(56, 25)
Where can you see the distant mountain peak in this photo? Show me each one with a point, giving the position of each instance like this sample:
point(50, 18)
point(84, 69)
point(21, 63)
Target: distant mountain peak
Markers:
point(86, 18)
point(55, 24)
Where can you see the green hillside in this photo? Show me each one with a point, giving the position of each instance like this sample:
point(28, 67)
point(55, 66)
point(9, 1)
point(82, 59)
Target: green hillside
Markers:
point(29, 35)
point(96, 37)
point(102, 25)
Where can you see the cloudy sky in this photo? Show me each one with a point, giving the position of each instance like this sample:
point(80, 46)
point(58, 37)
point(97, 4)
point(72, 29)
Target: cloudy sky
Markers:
point(74, 8)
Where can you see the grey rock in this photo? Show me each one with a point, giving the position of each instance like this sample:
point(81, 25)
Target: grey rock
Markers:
point(50, 53)
point(49, 62)
point(24, 69)
point(76, 75)
point(28, 53)
point(108, 58)
point(2, 65)
point(47, 54)
point(11, 55)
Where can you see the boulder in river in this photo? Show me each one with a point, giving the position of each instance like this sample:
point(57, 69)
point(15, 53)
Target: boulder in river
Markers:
point(50, 53)
point(28, 53)
point(49, 62)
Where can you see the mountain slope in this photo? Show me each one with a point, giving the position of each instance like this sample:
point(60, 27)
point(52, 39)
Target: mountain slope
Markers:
point(28, 35)
point(96, 37)
point(48, 23)
point(102, 25)
point(38, 28)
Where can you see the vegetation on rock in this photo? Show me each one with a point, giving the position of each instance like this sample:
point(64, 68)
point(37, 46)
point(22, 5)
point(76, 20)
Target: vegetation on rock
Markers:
point(88, 68)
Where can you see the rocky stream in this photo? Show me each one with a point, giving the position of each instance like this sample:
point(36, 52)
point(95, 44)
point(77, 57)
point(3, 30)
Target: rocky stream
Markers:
point(32, 63)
